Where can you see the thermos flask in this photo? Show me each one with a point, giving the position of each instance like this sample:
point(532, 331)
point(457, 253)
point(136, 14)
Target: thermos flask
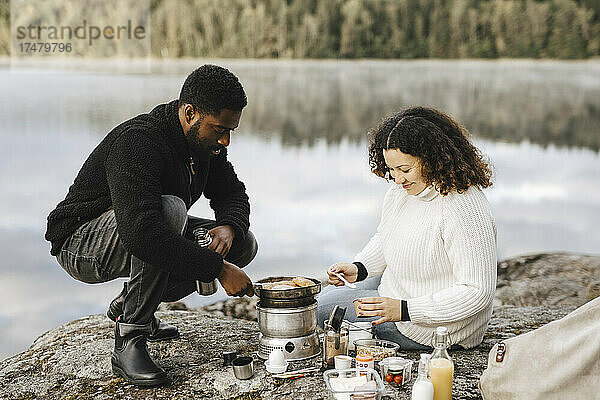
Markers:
point(204, 239)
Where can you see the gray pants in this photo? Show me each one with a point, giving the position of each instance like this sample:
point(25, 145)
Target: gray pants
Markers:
point(94, 254)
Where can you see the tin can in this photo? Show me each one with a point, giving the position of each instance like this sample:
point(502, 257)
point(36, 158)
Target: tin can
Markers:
point(204, 239)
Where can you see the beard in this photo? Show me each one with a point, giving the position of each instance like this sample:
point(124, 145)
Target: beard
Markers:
point(201, 146)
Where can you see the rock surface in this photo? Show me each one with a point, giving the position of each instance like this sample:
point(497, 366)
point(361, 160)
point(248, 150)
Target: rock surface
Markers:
point(73, 361)
point(548, 279)
point(244, 308)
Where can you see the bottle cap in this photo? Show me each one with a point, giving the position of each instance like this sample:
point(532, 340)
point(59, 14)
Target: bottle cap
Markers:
point(441, 338)
point(441, 330)
point(365, 357)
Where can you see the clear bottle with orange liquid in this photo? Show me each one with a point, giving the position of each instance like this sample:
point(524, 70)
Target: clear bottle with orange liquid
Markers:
point(441, 365)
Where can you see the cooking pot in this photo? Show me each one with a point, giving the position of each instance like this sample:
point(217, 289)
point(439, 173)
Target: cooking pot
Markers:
point(287, 322)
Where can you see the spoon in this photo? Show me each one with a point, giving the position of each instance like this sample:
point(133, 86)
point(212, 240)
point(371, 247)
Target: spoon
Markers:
point(350, 285)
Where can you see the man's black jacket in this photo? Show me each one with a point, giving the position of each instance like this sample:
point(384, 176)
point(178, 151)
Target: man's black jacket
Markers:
point(136, 163)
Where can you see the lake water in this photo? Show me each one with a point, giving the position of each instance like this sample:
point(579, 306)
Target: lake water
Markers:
point(301, 151)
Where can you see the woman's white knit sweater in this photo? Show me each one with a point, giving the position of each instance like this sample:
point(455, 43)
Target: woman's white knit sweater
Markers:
point(439, 254)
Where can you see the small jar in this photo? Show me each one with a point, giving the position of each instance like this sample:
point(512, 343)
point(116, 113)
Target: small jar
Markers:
point(204, 239)
point(335, 343)
point(396, 370)
point(365, 360)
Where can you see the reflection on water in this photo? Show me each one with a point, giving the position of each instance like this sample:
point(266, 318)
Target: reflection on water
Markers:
point(544, 102)
point(302, 154)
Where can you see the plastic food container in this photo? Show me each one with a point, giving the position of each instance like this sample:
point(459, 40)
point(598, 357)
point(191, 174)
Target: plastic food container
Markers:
point(378, 348)
point(396, 371)
point(332, 380)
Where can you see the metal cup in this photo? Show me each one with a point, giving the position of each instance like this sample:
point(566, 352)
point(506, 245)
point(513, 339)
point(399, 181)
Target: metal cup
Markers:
point(206, 288)
point(243, 367)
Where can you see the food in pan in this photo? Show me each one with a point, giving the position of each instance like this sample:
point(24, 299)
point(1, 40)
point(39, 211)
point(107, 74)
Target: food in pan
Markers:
point(302, 282)
point(295, 283)
point(279, 286)
point(272, 285)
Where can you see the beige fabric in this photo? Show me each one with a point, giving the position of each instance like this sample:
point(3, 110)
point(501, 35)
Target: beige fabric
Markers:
point(560, 360)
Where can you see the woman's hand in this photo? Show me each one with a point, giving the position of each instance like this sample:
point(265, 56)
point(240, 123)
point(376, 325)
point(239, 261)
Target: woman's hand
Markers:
point(388, 309)
point(348, 270)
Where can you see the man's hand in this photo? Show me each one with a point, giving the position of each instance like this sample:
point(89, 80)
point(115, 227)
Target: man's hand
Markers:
point(235, 281)
point(348, 270)
point(389, 309)
point(222, 238)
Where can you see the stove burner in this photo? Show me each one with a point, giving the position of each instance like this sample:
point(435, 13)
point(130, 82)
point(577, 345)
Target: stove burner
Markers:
point(294, 349)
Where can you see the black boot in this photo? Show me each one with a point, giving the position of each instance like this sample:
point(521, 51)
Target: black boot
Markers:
point(130, 358)
point(115, 308)
point(160, 330)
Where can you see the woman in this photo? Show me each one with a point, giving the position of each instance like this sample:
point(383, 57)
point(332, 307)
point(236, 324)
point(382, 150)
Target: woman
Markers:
point(432, 261)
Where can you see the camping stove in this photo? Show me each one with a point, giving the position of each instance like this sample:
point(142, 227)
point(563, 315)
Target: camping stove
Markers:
point(290, 329)
point(287, 319)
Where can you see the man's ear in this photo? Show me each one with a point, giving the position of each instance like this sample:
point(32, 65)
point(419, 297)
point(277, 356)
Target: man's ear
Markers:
point(189, 113)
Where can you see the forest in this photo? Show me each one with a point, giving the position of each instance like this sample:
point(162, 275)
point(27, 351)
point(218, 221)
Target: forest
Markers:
point(385, 29)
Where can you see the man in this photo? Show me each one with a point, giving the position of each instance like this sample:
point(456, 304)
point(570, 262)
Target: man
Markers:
point(126, 214)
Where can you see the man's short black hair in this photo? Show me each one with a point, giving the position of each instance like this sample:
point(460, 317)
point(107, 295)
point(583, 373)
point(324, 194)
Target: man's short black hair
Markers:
point(211, 89)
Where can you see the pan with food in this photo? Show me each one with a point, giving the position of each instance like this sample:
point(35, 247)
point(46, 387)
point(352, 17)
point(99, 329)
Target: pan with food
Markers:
point(287, 287)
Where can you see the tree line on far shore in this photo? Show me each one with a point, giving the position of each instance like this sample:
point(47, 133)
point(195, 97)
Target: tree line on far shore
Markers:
point(566, 29)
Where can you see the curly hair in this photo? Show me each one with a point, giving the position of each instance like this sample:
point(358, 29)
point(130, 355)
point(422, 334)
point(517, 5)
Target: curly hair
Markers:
point(448, 159)
point(211, 88)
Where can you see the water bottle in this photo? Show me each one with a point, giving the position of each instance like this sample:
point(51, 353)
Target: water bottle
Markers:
point(204, 240)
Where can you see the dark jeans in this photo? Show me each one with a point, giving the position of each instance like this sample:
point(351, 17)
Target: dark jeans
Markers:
point(94, 254)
